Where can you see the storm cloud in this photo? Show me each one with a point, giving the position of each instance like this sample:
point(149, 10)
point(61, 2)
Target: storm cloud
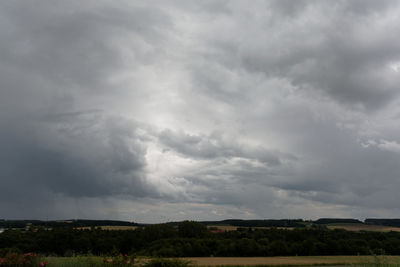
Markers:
point(167, 110)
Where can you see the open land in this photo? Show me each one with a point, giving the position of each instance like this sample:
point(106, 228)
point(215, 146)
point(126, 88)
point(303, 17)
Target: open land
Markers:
point(349, 227)
point(296, 260)
point(364, 227)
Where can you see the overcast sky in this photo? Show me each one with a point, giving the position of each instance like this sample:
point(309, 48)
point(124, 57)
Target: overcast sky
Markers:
point(154, 111)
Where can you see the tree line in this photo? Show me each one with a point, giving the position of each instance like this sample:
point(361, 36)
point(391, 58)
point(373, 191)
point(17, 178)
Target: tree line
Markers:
point(194, 239)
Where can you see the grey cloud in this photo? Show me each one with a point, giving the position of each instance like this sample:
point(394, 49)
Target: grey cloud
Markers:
point(346, 172)
point(344, 54)
point(213, 146)
point(55, 142)
point(289, 8)
point(333, 168)
point(211, 108)
point(368, 7)
point(74, 44)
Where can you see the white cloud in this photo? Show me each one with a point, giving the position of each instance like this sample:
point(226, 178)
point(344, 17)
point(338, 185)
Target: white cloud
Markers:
point(392, 146)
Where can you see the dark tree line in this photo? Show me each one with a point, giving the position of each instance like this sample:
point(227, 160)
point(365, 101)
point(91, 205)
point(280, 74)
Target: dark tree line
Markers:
point(193, 239)
point(336, 220)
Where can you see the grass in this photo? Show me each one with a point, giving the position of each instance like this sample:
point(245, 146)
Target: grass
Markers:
point(79, 261)
point(296, 260)
point(93, 261)
point(355, 261)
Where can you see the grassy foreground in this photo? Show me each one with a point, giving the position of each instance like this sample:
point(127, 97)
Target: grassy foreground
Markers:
point(241, 261)
point(298, 260)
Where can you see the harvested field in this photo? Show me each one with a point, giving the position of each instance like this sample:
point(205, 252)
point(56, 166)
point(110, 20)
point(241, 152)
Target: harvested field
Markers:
point(223, 227)
point(299, 260)
point(364, 227)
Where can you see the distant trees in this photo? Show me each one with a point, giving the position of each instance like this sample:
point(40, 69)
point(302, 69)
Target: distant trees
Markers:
point(193, 239)
point(336, 220)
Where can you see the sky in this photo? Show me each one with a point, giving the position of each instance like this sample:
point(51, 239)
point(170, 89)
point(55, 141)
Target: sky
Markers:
point(155, 111)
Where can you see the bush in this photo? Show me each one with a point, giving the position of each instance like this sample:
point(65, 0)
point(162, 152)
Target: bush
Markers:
point(5, 251)
point(18, 259)
point(168, 263)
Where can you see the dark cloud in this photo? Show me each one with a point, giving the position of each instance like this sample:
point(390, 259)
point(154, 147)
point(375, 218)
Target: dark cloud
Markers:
point(88, 157)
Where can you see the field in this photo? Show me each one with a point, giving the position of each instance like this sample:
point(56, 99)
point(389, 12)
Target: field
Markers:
point(254, 261)
point(299, 260)
point(364, 227)
point(349, 227)
point(223, 227)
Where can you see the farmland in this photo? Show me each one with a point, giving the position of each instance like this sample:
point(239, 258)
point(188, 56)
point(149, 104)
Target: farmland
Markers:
point(227, 228)
point(223, 227)
point(354, 227)
point(364, 227)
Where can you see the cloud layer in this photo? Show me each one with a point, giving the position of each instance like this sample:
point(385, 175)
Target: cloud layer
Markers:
point(154, 111)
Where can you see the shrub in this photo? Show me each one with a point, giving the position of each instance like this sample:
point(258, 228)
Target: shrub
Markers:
point(18, 259)
point(168, 263)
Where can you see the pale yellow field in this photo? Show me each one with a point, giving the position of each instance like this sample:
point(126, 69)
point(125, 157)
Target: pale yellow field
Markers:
point(223, 227)
point(363, 227)
point(109, 227)
point(298, 260)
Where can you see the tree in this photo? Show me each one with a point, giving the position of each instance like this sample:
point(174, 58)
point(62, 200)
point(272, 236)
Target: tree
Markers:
point(191, 229)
